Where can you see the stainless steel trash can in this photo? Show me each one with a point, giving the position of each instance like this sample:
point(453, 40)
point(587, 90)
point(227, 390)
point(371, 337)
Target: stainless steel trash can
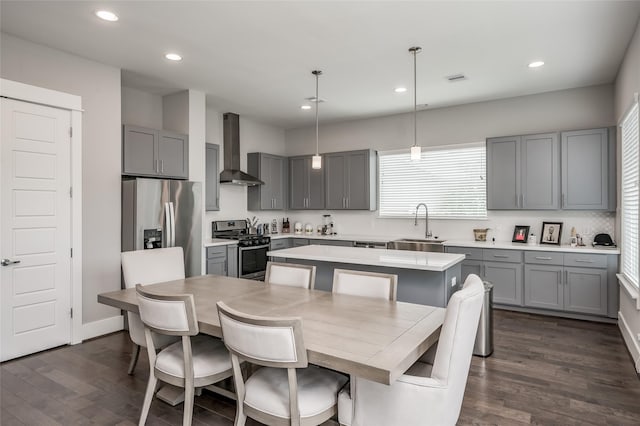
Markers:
point(484, 337)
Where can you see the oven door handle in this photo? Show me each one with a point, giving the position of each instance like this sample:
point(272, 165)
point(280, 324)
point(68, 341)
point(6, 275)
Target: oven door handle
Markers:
point(253, 247)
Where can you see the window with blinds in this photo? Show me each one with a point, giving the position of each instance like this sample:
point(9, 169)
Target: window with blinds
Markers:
point(630, 195)
point(450, 180)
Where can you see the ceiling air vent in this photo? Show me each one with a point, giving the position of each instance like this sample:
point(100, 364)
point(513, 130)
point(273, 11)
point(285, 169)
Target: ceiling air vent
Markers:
point(456, 77)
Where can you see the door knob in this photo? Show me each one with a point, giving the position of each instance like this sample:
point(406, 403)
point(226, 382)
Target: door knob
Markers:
point(7, 262)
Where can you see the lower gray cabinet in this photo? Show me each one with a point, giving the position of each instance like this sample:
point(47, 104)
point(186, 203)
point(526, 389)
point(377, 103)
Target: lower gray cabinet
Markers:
point(585, 290)
point(223, 260)
point(471, 267)
point(507, 282)
point(280, 244)
point(543, 286)
point(297, 242)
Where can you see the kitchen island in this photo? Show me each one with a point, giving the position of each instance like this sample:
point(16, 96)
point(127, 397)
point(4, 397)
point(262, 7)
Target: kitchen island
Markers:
point(425, 278)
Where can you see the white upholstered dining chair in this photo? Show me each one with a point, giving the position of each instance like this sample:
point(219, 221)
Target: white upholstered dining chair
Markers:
point(149, 267)
point(285, 390)
point(416, 399)
point(291, 274)
point(366, 284)
point(195, 361)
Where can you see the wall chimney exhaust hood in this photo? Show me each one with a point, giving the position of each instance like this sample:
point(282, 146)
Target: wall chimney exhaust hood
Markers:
point(231, 137)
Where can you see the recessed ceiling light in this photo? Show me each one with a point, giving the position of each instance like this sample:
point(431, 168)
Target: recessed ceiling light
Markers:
point(305, 107)
point(173, 57)
point(536, 64)
point(106, 15)
point(400, 89)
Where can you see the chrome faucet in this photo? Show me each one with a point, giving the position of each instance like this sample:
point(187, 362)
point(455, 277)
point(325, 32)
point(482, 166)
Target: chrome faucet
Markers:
point(427, 233)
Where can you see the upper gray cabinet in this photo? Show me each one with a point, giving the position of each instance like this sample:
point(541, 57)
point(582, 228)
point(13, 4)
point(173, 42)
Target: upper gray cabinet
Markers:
point(272, 170)
point(155, 153)
point(588, 170)
point(306, 185)
point(350, 180)
point(523, 172)
point(212, 177)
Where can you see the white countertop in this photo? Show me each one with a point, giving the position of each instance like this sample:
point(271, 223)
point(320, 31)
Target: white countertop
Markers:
point(374, 257)
point(212, 242)
point(535, 247)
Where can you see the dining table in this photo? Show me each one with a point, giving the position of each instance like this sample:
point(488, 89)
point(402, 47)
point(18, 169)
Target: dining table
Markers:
point(375, 339)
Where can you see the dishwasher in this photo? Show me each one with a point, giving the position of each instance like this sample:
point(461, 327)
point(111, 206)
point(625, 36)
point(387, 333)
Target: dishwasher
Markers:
point(370, 244)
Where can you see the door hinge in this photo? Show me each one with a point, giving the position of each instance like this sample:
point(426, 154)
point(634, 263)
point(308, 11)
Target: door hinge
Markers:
point(71, 252)
point(71, 312)
point(70, 132)
point(71, 191)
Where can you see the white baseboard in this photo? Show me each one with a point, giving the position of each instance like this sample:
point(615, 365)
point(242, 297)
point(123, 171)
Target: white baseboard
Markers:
point(102, 327)
point(632, 343)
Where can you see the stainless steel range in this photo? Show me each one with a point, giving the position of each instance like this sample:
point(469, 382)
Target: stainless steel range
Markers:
point(252, 248)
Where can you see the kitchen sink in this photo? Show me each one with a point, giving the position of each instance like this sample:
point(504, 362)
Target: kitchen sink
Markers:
point(431, 245)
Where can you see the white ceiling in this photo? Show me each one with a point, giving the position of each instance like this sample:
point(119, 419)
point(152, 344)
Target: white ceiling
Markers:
point(256, 58)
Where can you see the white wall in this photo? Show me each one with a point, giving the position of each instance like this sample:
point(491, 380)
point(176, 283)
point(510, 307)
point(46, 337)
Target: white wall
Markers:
point(99, 87)
point(628, 83)
point(141, 108)
point(254, 137)
point(562, 110)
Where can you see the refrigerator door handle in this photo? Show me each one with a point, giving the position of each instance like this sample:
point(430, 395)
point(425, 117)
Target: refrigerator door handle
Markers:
point(173, 224)
point(167, 225)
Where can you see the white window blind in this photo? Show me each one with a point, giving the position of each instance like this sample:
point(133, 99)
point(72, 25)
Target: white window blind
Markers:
point(450, 180)
point(630, 195)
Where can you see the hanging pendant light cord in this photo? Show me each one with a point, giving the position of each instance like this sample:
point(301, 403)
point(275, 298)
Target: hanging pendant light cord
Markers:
point(415, 99)
point(317, 73)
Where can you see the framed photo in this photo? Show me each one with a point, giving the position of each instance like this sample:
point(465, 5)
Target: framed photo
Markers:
point(551, 232)
point(520, 234)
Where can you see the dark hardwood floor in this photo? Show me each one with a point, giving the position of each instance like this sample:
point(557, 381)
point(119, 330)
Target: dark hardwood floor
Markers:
point(544, 370)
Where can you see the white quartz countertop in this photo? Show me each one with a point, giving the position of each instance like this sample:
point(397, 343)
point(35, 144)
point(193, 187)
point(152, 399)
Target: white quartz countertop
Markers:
point(374, 257)
point(535, 247)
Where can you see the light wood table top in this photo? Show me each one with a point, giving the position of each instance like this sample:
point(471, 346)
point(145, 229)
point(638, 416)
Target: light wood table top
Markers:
point(370, 338)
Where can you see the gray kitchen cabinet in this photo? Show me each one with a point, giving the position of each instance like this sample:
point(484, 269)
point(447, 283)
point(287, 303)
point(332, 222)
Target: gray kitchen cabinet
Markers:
point(588, 170)
point(212, 179)
point(523, 172)
point(507, 282)
point(232, 261)
point(298, 242)
point(472, 263)
point(543, 286)
point(155, 153)
point(585, 290)
point(272, 170)
point(280, 244)
point(223, 260)
point(471, 267)
point(336, 243)
point(306, 185)
point(350, 180)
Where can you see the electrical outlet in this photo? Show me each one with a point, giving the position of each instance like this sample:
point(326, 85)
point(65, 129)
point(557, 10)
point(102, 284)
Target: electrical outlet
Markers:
point(454, 281)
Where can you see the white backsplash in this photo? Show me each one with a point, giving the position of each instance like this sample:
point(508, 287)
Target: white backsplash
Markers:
point(501, 224)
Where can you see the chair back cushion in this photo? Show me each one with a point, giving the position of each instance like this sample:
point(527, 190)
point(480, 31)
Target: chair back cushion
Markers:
point(457, 337)
point(290, 274)
point(167, 314)
point(272, 342)
point(367, 284)
point(152, 266)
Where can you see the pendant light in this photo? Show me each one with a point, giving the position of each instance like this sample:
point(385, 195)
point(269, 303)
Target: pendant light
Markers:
point(415, 149)
point(316, 160)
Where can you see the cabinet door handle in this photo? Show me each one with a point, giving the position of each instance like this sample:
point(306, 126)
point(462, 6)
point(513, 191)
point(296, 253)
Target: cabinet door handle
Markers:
point(522, 203)
point(564, 198)
point(156, 166)
point(566, 277)
point(161, 166)
point(501, 256)
point(559, 277)
point(347, 201)
point(543, 258)
point(584, 261)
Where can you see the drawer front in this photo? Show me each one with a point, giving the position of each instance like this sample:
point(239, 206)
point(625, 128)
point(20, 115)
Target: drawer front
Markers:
point(220, 251)
point(470, 253)
point(543, 258)
point(279, 244)
point(297, 242)
point(585, 260)
point(496, 255)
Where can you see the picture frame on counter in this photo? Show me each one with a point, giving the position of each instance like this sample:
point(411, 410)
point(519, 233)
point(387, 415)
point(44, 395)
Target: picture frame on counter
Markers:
point(551, 233)
point(520, 234)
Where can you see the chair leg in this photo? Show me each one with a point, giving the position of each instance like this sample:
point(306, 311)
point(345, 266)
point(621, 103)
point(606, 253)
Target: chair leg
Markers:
point(188, 406)
point(241, 418)
point(135, 352)
point(148, 396)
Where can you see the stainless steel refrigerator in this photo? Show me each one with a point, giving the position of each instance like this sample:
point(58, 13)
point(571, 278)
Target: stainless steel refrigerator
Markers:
point(163, 213)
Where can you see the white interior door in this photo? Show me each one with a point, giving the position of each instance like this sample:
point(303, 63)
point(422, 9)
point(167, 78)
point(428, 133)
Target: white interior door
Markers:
point(35, 228)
